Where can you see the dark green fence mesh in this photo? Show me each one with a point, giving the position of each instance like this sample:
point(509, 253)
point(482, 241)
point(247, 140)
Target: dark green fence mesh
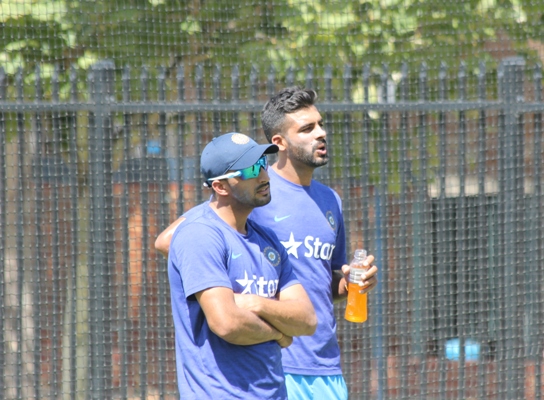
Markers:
point(434, 116)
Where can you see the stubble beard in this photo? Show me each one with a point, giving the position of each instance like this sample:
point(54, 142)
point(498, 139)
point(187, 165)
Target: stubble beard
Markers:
point(307, 158)
point(251, 199)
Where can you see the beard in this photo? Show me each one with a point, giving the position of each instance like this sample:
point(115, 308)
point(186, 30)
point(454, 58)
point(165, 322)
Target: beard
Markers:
point(309, 159)
point(246, 198)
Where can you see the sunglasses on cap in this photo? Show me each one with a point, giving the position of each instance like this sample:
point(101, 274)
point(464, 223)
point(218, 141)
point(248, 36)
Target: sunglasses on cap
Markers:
point(246, 173)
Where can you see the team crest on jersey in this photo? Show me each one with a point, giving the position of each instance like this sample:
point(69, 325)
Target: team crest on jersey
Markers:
point(272, 256)
point(330, 218)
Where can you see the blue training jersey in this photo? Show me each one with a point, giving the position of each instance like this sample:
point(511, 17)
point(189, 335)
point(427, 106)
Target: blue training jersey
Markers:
point(309, 223)
point(205, 252)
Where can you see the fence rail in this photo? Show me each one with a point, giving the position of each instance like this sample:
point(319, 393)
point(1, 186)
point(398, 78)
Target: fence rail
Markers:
point(446, 193)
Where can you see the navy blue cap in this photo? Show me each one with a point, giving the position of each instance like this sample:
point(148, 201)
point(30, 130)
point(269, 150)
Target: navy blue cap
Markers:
point(232, 151)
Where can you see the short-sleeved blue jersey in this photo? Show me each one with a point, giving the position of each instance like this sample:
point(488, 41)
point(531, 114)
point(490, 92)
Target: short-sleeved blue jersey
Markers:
point(308, 221)
point(205, 252)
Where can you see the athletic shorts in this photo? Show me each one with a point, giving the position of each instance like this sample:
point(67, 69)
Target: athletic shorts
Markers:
point(312, 387)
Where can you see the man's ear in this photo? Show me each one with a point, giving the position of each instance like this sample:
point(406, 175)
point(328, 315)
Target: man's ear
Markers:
point(221, 188)
point(279, 141)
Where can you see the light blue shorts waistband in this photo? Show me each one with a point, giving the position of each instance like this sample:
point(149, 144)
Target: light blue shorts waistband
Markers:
point(312, 387)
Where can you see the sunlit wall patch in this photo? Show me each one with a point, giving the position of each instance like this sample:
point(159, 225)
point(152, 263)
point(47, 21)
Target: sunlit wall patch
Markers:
point(330, 218)
point(272, 256)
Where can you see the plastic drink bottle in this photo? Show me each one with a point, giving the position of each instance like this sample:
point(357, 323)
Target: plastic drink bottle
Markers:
point(356, 309)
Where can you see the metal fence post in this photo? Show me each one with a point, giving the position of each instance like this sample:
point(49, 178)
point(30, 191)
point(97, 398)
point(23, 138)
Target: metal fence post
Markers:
point(382, 214)
point(463, 305)
point(536, 238)
point(511, 91)
point(19, 83)
point(101, 79)
point(3, 220)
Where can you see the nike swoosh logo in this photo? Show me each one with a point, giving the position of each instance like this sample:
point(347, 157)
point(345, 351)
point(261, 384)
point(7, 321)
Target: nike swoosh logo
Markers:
point(235, 256)
point(278, 219)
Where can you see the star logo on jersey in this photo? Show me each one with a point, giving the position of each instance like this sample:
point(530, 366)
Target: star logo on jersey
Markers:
point(291, 245)
point(246, 283)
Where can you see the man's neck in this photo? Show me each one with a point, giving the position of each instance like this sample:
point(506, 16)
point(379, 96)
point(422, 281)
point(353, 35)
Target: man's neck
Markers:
point(295, 174)
point(235, 217)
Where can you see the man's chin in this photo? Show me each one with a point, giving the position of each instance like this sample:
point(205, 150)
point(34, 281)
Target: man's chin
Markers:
point(263, 201)
point(320, 162)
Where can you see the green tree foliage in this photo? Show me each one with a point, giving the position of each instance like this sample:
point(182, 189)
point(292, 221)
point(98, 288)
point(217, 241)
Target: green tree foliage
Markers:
point(280, 33)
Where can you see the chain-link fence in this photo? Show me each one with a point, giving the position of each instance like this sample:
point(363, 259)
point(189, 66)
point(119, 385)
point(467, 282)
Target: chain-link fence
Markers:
point(434, 125)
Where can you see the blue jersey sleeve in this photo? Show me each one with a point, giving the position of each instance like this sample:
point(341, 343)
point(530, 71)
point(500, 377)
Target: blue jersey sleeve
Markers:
point(339, 257)
point(199, 254)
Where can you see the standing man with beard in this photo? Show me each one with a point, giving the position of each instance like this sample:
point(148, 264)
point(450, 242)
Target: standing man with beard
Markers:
point(236, 301)
point(307, 217)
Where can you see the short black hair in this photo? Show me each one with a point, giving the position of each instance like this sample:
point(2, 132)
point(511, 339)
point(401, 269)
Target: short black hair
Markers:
point(286, 101)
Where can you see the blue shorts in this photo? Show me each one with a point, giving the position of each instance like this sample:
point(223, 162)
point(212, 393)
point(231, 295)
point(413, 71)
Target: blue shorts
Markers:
point(312, 387)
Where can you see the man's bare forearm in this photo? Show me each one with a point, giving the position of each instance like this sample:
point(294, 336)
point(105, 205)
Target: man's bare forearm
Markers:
point(338, 286)
point(162, 243)
point(249, 329)
point(232, 323)
point(291, 316)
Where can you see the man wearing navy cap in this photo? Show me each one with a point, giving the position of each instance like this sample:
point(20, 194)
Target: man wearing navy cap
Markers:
point(236, 301)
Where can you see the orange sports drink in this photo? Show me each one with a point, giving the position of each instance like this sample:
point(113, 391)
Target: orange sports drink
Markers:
point(356, 308)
